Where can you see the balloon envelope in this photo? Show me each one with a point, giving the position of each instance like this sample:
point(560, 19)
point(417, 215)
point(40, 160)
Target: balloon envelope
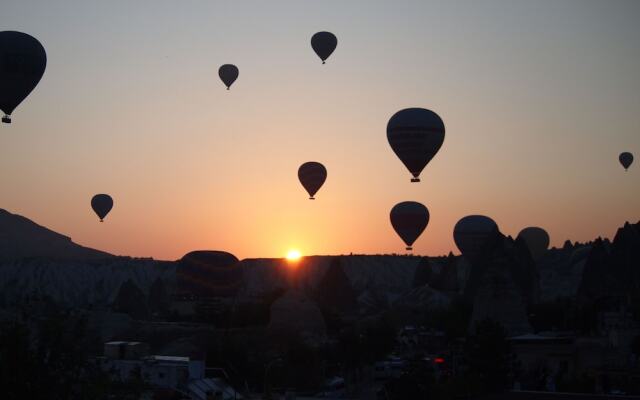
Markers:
point(415, 135)
point(208, 274)
point(537, 240)
point(22, 64)
point(626, 159)
point(409, 219)
point(228, 73)
point(324, 43)
point(102, 204)
point(312, 176)
point(472, 234)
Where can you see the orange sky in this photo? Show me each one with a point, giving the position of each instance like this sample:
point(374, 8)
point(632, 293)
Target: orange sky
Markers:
point(538, 101)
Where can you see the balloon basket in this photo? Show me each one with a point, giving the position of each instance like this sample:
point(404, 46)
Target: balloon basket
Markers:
point(409, 248)
point(415, 179)
point(312, 198)
point(6, 119)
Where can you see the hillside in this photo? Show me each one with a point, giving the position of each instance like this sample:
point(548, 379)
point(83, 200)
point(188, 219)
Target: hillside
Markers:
point(22, 238)
point(35, 261)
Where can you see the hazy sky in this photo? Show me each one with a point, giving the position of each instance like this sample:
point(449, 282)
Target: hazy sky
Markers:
point(538, 99)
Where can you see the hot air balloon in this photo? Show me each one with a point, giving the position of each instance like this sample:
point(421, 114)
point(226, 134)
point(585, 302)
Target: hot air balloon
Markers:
point(409, 219)
point(22, 64)
point(626, 159)
point(228, 74)
point(312, 176)
point(537, 240)
point(415, 135)
point(102, 204)
point(472, 234)
point(324, 43)
point(208, 274)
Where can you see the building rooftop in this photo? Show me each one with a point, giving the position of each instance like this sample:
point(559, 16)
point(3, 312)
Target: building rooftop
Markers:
point(531, 395)
point(199, 389)
point(173, 359)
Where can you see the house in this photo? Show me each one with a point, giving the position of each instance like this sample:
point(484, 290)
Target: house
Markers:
point(130, 360)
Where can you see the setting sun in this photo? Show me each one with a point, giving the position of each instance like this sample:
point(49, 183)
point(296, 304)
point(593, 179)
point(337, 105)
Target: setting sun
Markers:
point(293, 255)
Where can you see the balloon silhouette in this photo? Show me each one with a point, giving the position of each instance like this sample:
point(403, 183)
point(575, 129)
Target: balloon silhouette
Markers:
point(102, 204)
point(409, 219)
point(415, 135)
point(208, 274)
point(22, 64)
point(324, 43)
point(472, 233)
point(537, 240)
point(312, 176)
point(626, 159)
point(228, 73)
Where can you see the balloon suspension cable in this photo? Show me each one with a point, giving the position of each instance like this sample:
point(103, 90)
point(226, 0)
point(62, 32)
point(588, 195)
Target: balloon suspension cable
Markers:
point(415, 179)
point(6, 119)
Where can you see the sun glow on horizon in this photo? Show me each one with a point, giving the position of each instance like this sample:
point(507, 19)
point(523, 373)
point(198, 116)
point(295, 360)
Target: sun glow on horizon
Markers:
point(294, 255)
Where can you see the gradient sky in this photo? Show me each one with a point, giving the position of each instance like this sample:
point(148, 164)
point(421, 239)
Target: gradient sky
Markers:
point(538, 99)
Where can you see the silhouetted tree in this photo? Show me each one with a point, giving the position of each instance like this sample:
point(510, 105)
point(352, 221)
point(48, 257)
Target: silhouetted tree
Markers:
point(131, 300)
point(158, 297)
point(453, 320)
point(418, 382)
point(335, 292)
point(303, 367)
point(551, 315)
point(48, 359)
point(379, 338)
point(423, 274)
point(488, 355)
point(635, 346)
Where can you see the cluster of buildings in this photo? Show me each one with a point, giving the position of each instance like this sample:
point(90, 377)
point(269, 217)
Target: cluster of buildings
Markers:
point(168, 377)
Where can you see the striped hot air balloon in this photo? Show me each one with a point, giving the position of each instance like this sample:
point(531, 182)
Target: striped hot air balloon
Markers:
point(472, 234)
point(415, 135)
point(312, 176)
point(409, 219)
point(206, 273)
